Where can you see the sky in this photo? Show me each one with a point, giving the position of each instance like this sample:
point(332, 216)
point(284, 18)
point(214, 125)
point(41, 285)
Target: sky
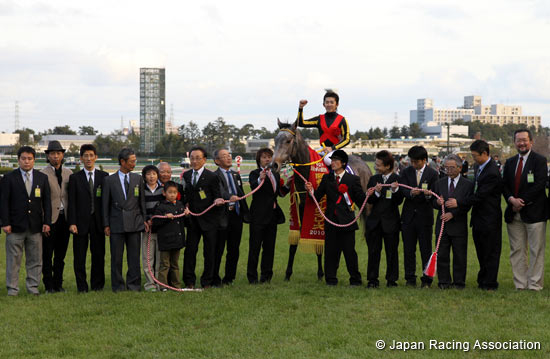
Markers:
point(77, 63)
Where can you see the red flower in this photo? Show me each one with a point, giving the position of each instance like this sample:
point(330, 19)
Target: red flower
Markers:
point(343, 188)
point(281, 182)
point(179, 197)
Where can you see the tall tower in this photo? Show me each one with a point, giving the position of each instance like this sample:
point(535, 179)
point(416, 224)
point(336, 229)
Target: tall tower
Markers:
point(152, 107)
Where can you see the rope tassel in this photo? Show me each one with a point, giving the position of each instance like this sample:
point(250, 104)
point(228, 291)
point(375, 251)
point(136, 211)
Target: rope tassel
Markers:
point(431, 266)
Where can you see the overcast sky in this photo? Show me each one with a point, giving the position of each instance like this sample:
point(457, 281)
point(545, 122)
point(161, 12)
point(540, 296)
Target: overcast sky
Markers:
point(77, 62)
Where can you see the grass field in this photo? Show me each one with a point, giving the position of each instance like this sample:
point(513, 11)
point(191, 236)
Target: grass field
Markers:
point(299, 319)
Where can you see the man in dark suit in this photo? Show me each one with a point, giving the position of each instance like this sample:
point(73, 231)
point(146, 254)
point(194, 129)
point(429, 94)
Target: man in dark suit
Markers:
point(417, 213)
point(201, 189)
point(342, 190)
point(455, 231)
point(85, 220)
point(383, 221)
point(123, 204)
point(486, 218)
point(26, 213)
point(265, 215)
point(525, 177)
point(232, 216)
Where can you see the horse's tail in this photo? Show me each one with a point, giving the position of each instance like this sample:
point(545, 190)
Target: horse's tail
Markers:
point(364, 172)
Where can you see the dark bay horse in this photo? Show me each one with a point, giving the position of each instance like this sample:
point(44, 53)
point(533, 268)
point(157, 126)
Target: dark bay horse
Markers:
point(290, 146)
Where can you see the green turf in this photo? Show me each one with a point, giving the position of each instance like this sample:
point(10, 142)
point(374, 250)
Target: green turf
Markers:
point(298, 319)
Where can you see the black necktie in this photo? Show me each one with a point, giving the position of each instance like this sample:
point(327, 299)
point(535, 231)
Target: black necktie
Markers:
point(452, 188)
point(91, 185)
point(126, 185)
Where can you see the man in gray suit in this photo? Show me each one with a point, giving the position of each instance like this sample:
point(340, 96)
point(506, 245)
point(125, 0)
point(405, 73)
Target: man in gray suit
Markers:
point(124, 218)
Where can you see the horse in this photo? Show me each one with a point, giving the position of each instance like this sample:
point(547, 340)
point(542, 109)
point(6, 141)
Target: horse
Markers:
point(290, 146)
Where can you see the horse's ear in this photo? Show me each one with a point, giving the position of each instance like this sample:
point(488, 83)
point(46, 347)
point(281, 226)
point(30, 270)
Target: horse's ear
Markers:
point(294, 125)
point(279, 123)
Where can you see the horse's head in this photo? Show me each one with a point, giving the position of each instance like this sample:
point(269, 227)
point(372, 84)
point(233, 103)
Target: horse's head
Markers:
point(284, 145)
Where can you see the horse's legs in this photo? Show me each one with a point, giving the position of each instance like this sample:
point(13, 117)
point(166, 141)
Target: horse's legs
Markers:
point(320, 273)
point(291, 253)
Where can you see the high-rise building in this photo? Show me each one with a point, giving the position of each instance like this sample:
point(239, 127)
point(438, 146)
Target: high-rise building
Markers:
point(152, 107)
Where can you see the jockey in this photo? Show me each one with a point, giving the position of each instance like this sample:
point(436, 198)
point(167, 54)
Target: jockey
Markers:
point(333, 128)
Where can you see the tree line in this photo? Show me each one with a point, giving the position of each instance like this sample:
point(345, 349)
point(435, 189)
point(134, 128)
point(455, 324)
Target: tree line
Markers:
point(218, 133)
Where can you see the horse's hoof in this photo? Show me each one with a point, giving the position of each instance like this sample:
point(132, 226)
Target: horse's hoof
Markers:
point(287, 277)
point(320, 276)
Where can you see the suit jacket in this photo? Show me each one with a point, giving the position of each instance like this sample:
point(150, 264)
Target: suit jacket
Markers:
point(21, 211)
point(458, 225)
point(123, 215)
point(225, 193)
point(485, 200)
point(208, 184)
point(261, 209)
point(340, 212)
point(417, 208)
point(533, 194)
point(384, 211)
point(58, 193)
point(80, 204)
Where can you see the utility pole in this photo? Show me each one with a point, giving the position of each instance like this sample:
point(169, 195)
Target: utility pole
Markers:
point(16, 122)
point(448, 138)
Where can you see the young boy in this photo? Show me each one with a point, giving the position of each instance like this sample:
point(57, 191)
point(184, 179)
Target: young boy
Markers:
point(333, 128)
point(170, 234)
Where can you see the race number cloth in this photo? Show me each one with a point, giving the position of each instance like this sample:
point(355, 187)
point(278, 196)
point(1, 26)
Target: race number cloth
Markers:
point(309, 231)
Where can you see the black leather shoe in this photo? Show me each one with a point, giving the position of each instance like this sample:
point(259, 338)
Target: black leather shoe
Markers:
point(372, 285)
point(391, 284)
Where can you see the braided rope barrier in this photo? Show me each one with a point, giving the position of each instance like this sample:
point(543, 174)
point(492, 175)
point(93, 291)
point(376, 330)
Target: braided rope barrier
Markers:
point(431, 265)
point(178, 216)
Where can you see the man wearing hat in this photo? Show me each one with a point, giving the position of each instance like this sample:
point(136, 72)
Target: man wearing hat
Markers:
point(55, 245)
point(342, 190)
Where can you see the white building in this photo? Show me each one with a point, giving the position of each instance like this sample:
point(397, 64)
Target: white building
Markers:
point(7, 141)
point(429, 117)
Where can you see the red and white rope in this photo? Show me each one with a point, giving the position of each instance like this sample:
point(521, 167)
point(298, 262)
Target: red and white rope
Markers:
point(369, 192)
point(178, 216)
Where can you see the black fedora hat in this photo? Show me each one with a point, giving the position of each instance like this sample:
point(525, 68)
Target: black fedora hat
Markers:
point(54, 146)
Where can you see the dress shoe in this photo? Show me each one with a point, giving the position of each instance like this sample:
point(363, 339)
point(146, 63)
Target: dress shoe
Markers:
point(372, 285)
point(411, 283)
point(426, 285)
point(391, 284)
